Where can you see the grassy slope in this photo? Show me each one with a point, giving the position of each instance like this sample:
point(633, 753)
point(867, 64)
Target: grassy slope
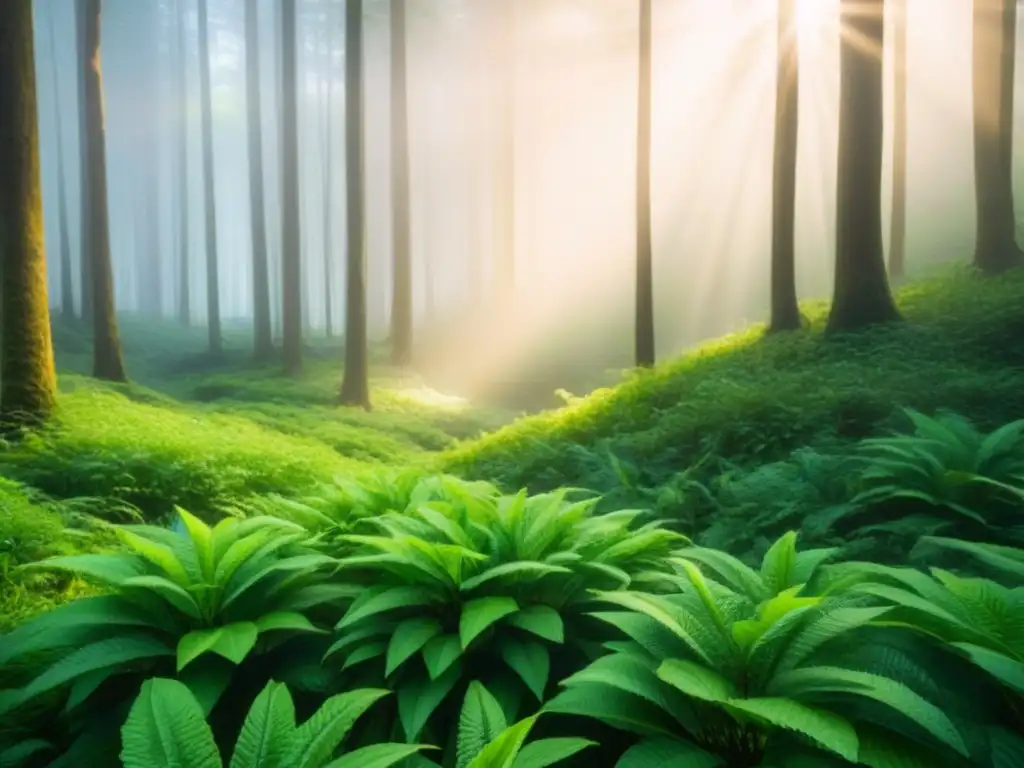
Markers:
point(751, 399)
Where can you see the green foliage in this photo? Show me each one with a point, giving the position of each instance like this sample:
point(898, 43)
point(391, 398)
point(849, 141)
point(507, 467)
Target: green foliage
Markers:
point(166, 727)
point(465, 583)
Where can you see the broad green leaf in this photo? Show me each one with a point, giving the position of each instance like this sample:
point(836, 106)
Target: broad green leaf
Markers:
point(107, 569)
point(410, 636)
point(829, 730)
point(1007, 671)
point(530, 661)
point(202, 542)
point(517, 570)
point(480, 722)
point(389, 600)
point(305, 563)
point(546, 752)
point(696, 681)
point(286, 621)
point(418, 700)
point(502, 751)
point(158, 554)
point(779, 564)
point(166, 728)
point(365, 652)
point(477, 615)
point(377, 756)
point(112, 652)
point(440, 653)
point(667, 753)
point(265, 739)
point(177, 596)
point(208, 677)
point(232, 641)
point(617, 708)
point(316, 739)
point(540, 620)
point(21, 753)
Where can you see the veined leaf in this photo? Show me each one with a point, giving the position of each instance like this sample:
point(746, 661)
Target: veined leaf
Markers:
point(440, 653)
point(417, 701)
point(178, 597)
point(667, 753)
point(286, 621)
point(530, 661)
point(1007, 671)
point(158, 554)
point(829, 730)
point(377, 756)
point(477, 615)
point(107, 569)
point(480, 722)
point(540, 620)
point(265, 739)
point(696, 681)
point(296, 563)
point(546, 752)
point(388, 600)
point(617, 708)
point(166, 728)
point(316, 739)
point(410, 636)
point(520, 569)
point(502, 751)
point(202, 542)
point(232, 641)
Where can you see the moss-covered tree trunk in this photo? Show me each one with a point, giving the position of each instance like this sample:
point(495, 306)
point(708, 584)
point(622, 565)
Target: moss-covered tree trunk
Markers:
point(184, 308)
point(898, 223)
point(861, 296)
point(995, 24)
point(263, 336)
point(27, 380)
point(209, 189)
point(355, 387)
point(401, 241)
point(643, 348)
point(291, 235)
point(67, 289)
point(785, 312)
point(107, 362)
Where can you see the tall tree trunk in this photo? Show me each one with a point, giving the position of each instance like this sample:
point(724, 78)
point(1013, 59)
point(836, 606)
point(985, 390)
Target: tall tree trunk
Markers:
point(861, 295)
point(995, 23)
point(210, 200)
point(150, 261)
point(107, 362)
point(28, 383)
point(184, 272)
point(785, 312)
point(263, 344)
point(644, 329)
point(327, 142)
point(85, 237)
point(401, 240)
point(355, 387)
point(291, 238)
point(67, 289)
point(898, 225)
point(505, 193)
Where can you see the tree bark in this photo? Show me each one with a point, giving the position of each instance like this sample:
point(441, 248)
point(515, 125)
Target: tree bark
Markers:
point(785, 310)
point(861, 295)
point(291, 238)
point(209, 190)
point(401, 241)
point(898, 224)
point(67, 289)
point(263, 335)
point(184, 309)
point(996, 248)
point(108, 363)
point(355, 387)
point(28, 383)
point(644, 349)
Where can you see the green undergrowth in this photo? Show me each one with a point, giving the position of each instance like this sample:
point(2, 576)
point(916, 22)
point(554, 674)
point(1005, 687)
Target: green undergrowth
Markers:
point(748, 399)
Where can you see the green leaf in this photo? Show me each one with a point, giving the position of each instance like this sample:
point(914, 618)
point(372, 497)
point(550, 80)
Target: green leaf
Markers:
point(440, 653)
point(418, 700)
point(617, 708)
point(317, 738)
point(540, 620)
point(1007, 671)
point(502, 752)
point(208, 678)
point(21, 753)
point(696, 681)
point(166, 728)
point(410, 636)
point(377, 756)
point(545, 752)
point(667, 753)
point(233, 642)
point(202, 542)
point(158, 554)
point(829, 730)
point(478, 615)
point(365, 652)
point(389, 600)
point(480, 722)
point(113, 652)
point(531, 662)
point(286, 621)
point(177, 596)
point(265, 740)
point(106, 569)
point(514, 571)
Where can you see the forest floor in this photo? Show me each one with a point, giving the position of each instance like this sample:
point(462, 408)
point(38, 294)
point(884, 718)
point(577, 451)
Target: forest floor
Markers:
point(207, 436)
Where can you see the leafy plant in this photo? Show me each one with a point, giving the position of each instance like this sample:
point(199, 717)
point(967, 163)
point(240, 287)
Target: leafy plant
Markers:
point(166, 727)
point(736, 671)
point(488, 588)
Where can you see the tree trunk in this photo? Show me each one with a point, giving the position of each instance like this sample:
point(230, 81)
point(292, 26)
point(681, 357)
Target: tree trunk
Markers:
point(898, 233)
point(150, 261)
point(28, 383)
point(861, 295)
point(184, 273)
point(67, 289)
point(785, 311)
point(85, 238)
point(209, 192)
point(995, 23)
point(291, 254)
point(644, 339)
point(401, 241)
point(107, 361)
point(263, 343)
point(327, 142)
point(355, 388)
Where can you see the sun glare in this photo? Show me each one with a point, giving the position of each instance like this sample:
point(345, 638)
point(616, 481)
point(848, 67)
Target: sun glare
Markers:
point(811, 15)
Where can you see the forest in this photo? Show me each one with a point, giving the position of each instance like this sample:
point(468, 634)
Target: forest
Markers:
point(511, 384)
